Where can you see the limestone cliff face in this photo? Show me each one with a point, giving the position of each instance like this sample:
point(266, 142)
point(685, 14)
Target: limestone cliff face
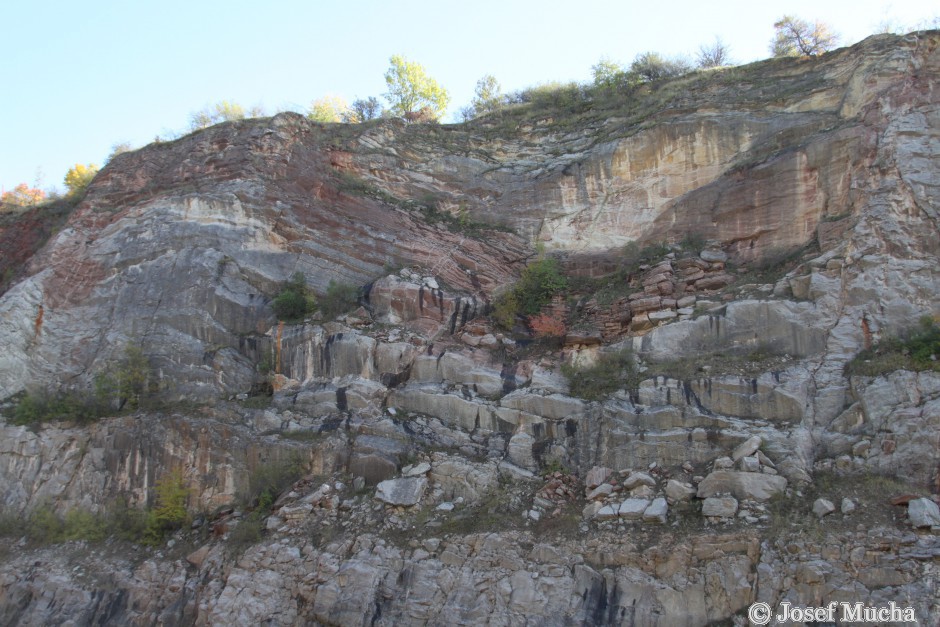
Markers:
point(453, 476)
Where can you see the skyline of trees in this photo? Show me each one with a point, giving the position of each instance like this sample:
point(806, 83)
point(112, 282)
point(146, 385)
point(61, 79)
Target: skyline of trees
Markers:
point(413, 94)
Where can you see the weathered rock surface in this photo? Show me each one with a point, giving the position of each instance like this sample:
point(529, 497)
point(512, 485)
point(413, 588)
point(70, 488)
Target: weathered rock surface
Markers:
point(742, 485)
point(722, 506)
point(835, 154)
point(923, 513)
point(405, 491)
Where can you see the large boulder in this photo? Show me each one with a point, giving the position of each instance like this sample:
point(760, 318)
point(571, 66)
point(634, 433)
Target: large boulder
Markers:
point(755, 486)
point(923, 513)
point(405, 491)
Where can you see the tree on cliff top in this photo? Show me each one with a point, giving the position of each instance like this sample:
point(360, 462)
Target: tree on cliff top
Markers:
point(78, 178)
point(222, 111)
point(362, 110)
point(795, 37)
point(411, 90)
point(328, 109)
point(20, 197)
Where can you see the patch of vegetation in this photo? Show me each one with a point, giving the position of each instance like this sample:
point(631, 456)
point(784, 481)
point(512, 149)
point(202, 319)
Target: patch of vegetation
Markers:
point(307, 435)
point(294, 301)
point(611, 372)
point(713, 363)
point(565, 524)
point(498, 510)
point(246, 533)
point(339, 298)
point(169, 511)
point(540, 281)
point(265, 484)
point(774, 264)
point(267, 481)
point(916, 350)
point(125, 386)
point(872, 493)
point(44, 526)
point(616, 285)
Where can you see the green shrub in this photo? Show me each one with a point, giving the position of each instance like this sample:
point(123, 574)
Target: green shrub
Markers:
point(122, 386)
point(267, 481)
point(339, 298)
point(44, 526)
point(245, 534)
point(40, 405)
point(506, 309)
point(169, 512)
point(916, 350)
point(80, 524)
point(632, 255)
point(541, 280)
point(293, 302)
point(265, 485)
point(611, 372)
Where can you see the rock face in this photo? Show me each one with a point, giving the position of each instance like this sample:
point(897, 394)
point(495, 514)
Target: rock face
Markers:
point(923, 513)
point(405, 491)
point(450, 474)
point(742, 485)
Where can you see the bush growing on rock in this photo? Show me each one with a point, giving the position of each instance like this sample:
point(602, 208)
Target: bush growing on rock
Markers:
point(294, 301)
point(545, 326)
point(540, 281)
point(915, 350)
point(78, 178)
point(339, 298)
point(363, 110)
point(611, 372)
point(651, 66)
point(44, 526)
point(169, 512)
point(124, 385)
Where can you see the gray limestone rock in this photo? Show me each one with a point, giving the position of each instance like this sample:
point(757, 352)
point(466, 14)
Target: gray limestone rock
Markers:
point(742, 485)
point(418, 470)
point(600, 492)
point(633, 508)
point(923, 513)
point(746, 448)
point(721, 506)
point(679, 491)
point(713, 255)
point(823, 507)
point(606, 512)
point(656, 512)
point(636, 479)
point(520, 450)
point(406, 491)
point(750, 464)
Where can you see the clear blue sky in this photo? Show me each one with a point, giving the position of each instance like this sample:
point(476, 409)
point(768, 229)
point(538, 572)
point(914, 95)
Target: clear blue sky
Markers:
point(81, 77)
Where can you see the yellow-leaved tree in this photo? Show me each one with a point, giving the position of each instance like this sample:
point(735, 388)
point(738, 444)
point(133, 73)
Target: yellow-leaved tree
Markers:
point(411, 91)
point(78, 178)
point(328, 109)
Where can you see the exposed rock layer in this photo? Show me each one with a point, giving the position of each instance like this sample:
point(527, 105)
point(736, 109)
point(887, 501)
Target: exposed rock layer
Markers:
point(179, 248)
